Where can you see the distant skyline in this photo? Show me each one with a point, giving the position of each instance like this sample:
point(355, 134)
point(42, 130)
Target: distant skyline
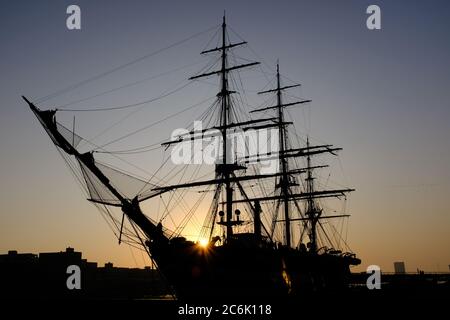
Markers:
point(382, 95)
point(13, 252)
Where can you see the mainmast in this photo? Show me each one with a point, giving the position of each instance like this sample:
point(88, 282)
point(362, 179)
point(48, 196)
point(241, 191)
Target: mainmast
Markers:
point(284, 181)
point(312, 211)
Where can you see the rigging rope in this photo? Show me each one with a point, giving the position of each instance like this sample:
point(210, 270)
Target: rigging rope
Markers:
point(61, 108)
point(129, 105)
point(131, 113)
point(79, 84)
point(157, 145)
point(154, 123)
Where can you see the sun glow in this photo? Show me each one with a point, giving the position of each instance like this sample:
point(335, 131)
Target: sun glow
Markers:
point(203, 243)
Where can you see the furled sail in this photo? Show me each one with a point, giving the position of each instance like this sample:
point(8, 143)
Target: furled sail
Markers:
point(96, 175)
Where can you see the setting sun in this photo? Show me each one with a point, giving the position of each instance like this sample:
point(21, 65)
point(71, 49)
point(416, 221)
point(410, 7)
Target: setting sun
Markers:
point(203, 243)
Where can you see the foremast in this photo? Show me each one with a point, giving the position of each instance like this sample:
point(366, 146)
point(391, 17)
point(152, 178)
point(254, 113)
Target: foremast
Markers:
point(225, 169)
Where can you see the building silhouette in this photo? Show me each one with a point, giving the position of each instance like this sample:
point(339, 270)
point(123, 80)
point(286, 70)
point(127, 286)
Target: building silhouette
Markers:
point(399, 267)
point(44, 276)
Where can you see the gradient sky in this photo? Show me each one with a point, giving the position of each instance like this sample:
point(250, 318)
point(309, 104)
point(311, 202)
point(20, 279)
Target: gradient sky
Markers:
point(384, 96)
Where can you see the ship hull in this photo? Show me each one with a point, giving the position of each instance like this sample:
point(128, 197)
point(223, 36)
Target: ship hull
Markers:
point(238, 270)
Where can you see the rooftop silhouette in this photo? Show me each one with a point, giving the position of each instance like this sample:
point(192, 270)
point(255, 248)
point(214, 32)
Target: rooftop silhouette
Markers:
point(44, 276)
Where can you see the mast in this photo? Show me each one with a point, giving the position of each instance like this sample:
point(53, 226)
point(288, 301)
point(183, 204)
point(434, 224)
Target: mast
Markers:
point(312, 211)
point(225, 169)
point(284, 179)
point(224, 94)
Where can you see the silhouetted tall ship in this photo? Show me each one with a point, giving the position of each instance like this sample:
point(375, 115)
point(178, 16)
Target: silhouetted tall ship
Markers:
point(265, 234)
